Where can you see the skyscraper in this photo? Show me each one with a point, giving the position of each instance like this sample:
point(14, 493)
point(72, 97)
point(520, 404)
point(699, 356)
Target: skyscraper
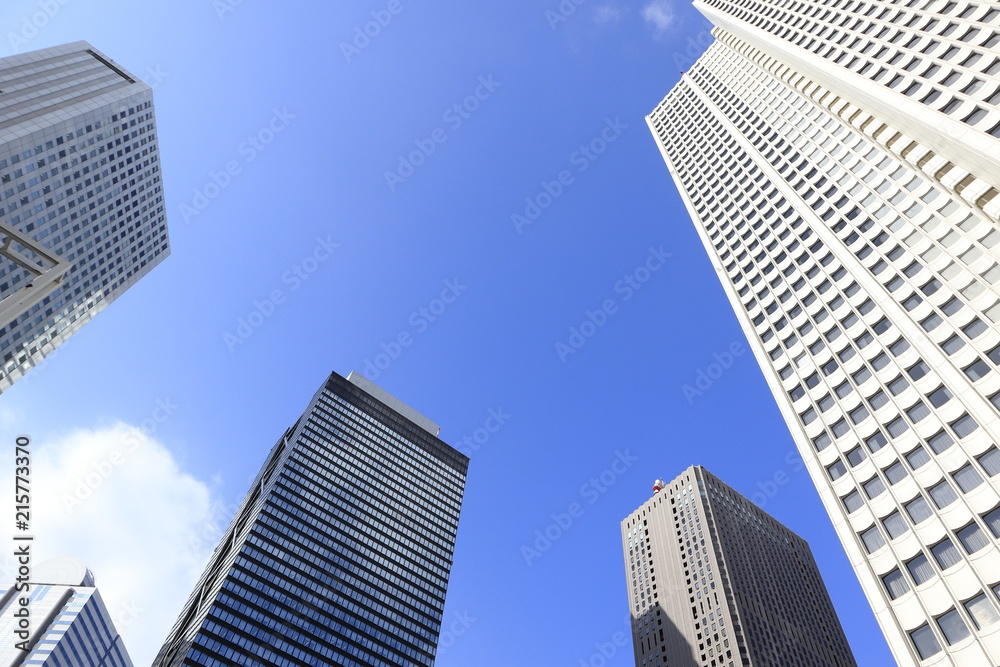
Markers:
point(714, 581)
point(81, 200)
point(67, 622)
point(840, 160)
point(340, 552)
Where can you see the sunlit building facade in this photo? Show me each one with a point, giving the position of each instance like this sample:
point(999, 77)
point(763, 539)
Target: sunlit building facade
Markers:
point(841, 163)
point(714, 581)
point(82, 216)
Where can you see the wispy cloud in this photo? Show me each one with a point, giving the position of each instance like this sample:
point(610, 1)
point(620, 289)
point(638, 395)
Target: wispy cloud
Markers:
point(608, 13)
point(660, 14)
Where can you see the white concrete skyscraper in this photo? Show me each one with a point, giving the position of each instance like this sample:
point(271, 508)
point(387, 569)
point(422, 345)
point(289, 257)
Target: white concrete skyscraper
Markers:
point(81, 200)
point(841, 162)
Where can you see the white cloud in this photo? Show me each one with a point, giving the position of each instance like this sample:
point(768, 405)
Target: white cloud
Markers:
point(115, 498)
point(608, 14)
point(660, 14)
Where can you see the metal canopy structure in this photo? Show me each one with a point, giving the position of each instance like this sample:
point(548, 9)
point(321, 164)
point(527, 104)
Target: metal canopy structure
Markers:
point(47, 276)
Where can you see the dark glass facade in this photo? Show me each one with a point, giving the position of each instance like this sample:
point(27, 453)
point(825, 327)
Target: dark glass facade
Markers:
point(341, 551)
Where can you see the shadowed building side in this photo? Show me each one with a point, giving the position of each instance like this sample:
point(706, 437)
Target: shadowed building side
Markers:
point(714, 581)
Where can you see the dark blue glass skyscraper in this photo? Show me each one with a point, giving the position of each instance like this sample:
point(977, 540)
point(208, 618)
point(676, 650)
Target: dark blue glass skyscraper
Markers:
point(341, 550)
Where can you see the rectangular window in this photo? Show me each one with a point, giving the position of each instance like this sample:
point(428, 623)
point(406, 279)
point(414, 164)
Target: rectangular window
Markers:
point(953, 627)
point(918, 458)
point(920, 569)
point(925, 642)
point(873, 539)
point(973, 538)
point(945, 554)
point(942, 494)
point(940, 442)
point(894, 473)
point(964, 426)
point(967, 478)
point(895, 584)
point(836, 470)
point(895, 525)
point(874, 487)
point(918, 509)
point(853, 501)
point(980, 608)
point(991, 462)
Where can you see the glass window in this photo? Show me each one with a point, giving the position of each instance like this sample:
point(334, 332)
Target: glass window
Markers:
point(931, 322)
point(918, 370)
point(895, 525)
point(873, 539)
point(876, 442)
point(918, 509)
point(853, 501)
point(968, 478)
point(898, 385)
point(920, 569)
point(897, 427)
point(953, 344)
point(980, 608)
point(978, 370)
point(946, 554)
point(939, 397)
point(836, 470)
point(859, 414)
point(918, 412)
point(856, 456)
point(896, 585)
point(940, 442)
point(925, 642)
point(964, 426)
point(991, 462)
point(895, 473)
point(953, 627)
point(973, 538)
point(942, 494)
point(821, 441)
point(874, 487)
point(877, 400)
point(992, 521)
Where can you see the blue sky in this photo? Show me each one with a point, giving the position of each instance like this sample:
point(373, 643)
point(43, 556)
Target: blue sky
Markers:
point(324, 192)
